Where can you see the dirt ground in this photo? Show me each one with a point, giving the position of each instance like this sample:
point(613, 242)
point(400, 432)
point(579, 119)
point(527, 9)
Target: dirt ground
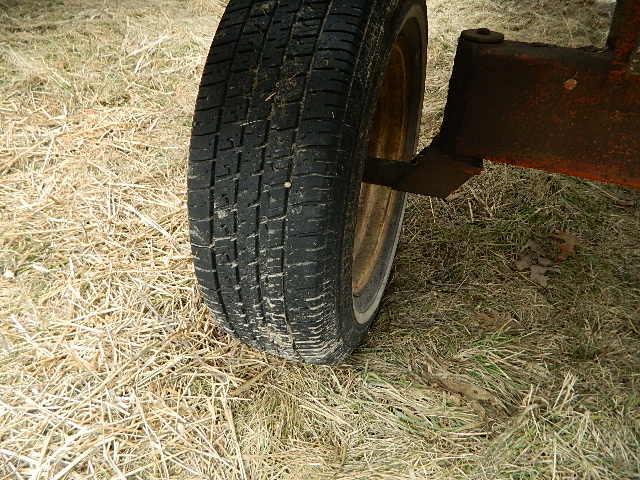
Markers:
point(507, 346)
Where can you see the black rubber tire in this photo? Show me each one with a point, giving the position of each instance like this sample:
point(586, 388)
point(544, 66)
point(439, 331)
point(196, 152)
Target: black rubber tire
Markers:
point(277, 153)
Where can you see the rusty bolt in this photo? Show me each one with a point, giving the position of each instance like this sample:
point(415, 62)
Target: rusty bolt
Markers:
point(570, 84)
point(483, 35)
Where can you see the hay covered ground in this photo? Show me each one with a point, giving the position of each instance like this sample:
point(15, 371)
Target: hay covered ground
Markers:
point(110, 367)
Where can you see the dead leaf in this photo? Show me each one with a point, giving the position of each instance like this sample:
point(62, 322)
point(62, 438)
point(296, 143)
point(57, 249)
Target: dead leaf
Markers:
point(538, 275)
point(534, 247)
point(435, 372)
point(545, 262)
point(529, 255)
point(536, 257)
point(567, 243)
point(524, 262)
point(468, 390)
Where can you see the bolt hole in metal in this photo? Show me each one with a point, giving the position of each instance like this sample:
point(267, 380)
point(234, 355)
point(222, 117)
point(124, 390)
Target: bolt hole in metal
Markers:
point(392, 136)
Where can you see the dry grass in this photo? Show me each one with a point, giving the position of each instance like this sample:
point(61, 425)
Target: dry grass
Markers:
point(110, 367)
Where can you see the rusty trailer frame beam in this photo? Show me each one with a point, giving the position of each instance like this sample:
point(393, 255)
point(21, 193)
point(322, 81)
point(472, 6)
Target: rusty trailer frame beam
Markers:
point(561, 110)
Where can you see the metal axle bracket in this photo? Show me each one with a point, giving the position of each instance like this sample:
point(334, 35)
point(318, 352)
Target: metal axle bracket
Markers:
point(562, 110)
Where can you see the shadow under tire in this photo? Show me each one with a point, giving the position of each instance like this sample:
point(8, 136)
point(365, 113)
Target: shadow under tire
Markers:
point(291, 250)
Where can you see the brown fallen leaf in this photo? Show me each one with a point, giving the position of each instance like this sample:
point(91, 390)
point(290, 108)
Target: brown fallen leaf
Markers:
point(529, 255)
point(524, 262)
point(534, 247)
point(567, 243)
point(545, 262)
point(435, 372)
point(456, 385)
point(533, 258)
point(539, 275)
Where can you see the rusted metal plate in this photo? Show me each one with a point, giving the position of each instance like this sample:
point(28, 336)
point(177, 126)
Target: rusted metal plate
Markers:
point(545, 107)
point(562, 110)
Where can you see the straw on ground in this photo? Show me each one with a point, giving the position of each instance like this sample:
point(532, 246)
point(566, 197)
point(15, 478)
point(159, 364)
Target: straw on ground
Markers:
point(110, 366)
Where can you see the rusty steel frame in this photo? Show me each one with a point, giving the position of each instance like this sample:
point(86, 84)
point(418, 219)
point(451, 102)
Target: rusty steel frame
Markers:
point(561, 110)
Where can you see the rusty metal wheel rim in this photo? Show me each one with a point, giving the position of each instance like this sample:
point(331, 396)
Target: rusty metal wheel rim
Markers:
point(387, 140)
